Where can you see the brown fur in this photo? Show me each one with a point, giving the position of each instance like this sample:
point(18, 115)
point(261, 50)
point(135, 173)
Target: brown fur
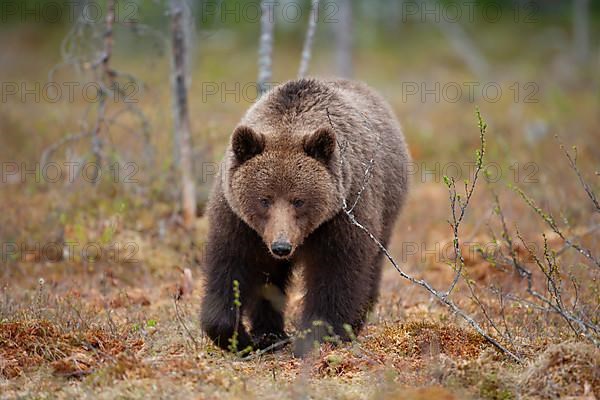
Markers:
point(285, 177)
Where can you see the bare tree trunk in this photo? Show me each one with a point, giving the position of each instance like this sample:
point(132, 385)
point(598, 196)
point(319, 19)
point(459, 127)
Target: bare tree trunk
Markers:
point(106, 78)
point(310, 36)
point(79, 8)
point(181, 113)
point(581, 35)
point(265, 50)
point(393, 14)
point(464, 46)
point(343, 30)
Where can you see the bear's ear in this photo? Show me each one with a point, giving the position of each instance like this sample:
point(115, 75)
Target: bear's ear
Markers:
point(320, 145)
point(246, 143)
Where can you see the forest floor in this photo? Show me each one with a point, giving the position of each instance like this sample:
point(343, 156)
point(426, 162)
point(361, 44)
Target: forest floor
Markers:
point(102, 330)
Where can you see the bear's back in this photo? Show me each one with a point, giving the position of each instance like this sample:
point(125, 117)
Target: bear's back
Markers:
point(295, 107)
point(301, 106)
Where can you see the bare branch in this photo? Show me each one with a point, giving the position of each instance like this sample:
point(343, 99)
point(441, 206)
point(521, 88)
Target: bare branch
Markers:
point(274, 346)
point(50, 150)
point(556, 305)
point(366, 177)
point(589, 330)
point(455, 200)
point(553, 225)
point(88, 48)
point(440, 296)
point(183, 325)
point(574, 167)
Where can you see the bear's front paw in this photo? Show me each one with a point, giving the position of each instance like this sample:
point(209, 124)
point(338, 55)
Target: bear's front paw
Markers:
point(277, 340)
point(227, 338)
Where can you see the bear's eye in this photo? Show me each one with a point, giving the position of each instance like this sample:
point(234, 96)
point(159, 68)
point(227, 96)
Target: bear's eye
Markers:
point(298, 203)
point(265, 202)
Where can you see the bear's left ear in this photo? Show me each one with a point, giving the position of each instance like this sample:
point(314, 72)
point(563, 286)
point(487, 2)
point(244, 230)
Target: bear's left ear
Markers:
point(246, 143)
point(320, 145)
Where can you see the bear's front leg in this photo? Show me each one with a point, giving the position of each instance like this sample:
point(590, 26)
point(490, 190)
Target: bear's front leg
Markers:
point(338, 272)
point(267, 313)
point(220, 316)
point(231, 255)
point(262, 300)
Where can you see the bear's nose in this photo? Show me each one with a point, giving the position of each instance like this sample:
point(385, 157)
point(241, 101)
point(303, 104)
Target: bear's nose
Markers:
point(281, 248)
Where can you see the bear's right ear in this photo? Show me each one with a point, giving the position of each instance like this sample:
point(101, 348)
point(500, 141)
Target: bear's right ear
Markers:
point(320, 145)
point(246, 143)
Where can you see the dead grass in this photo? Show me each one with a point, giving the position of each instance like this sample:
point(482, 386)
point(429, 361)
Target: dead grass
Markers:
point(412, 348)
point(414, 358)
point(426, 339)
point(437, 393)
point(565, 369)
point(110, 330)
point(25, 345)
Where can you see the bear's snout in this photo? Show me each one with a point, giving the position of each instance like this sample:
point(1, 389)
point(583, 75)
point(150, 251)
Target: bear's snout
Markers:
point(281, 248)
point(281, 233)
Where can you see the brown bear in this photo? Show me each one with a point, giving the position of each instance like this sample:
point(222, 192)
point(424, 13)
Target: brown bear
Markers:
point(305, 153)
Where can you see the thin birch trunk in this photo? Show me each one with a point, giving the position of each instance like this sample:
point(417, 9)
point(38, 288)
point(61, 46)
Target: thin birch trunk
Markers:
point(581, 25)
point(464, 47)
point(265, 50)
point(310, 36)
point(343, 30)
point(181, 113)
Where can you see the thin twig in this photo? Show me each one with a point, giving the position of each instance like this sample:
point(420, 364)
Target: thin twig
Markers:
point(586, 328)
point(553, 225)
point(462, 205)
point(274, 346)
point(182, 323)
point(574, 167)
point(440, 296)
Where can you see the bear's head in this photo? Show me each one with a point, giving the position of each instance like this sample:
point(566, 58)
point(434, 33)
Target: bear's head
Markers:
point(283, 187)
